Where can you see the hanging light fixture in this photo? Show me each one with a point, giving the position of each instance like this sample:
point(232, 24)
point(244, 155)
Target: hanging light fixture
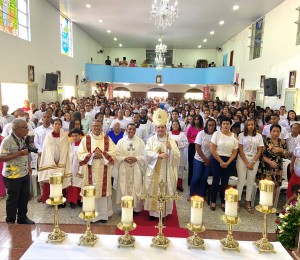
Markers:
point(164, 13)
point(160, 50)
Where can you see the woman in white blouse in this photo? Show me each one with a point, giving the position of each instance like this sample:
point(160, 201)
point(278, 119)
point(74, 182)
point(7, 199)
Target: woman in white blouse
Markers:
point(201, 159)
point(182, 143)
point(224, 148)
point(250, 148)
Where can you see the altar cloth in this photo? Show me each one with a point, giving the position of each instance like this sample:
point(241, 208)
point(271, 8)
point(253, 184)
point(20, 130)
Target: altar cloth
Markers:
point(107, 248)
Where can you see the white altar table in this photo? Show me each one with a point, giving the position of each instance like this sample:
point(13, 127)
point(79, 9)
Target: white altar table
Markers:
point(106, 248)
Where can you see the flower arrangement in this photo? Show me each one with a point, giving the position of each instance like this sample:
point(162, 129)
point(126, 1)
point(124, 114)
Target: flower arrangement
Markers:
point(288, 225)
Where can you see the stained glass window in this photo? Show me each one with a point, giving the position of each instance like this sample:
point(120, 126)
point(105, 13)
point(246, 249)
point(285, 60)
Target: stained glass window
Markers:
point(257, 30)
point(66, 36)
point(14, 18)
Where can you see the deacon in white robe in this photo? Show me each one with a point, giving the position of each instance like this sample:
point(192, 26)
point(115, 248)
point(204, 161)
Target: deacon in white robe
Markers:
point(130, 167)
point(96, 153)
point(182, 143)
point(162, 156)
point(54, 158)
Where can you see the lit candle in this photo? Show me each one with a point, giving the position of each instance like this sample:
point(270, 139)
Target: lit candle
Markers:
point(127, 211)
point(56, 180)
point(196, 210)
point(231, 203)
point(88, 198)
point(266, 188)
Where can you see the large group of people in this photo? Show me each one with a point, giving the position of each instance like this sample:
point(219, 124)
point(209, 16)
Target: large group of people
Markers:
point(131, 145)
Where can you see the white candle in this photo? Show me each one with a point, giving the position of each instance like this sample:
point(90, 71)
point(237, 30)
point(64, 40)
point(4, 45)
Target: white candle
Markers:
point(266, 188)
point(88, 199)
point(231, 203)
point(127, 211)
point(88, 204)
point(56, 190)
point(196, 210)
point(55, 180)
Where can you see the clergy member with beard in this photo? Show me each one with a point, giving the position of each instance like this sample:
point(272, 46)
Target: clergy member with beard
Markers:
point(96, 153)
point(162, 156)
point(130, 168)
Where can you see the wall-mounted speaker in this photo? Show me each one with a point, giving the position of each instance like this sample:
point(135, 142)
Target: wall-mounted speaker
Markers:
point(270, 87)
point(51, 82)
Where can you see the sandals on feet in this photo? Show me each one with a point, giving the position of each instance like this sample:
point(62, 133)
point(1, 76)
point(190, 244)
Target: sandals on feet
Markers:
point(248, 207)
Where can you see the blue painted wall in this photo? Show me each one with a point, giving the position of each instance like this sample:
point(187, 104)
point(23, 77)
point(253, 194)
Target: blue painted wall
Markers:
point(214, 75)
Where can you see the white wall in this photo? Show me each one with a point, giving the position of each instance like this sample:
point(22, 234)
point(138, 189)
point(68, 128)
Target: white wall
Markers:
point(188, 57)
point(43, 52)
point(280, 54)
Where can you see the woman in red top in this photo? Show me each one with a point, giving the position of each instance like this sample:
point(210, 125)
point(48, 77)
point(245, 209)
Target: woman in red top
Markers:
point(191, 134)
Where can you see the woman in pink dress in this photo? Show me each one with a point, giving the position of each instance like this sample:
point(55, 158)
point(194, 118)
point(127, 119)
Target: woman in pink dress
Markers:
point(191, 133)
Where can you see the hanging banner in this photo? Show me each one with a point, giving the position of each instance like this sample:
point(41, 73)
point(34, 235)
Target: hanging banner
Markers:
point(110, 91)
point(206, 95)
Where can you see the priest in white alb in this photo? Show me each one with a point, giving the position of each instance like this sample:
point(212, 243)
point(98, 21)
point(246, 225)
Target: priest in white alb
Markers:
point(130, 167)
point(96, 153)
point(162, 156)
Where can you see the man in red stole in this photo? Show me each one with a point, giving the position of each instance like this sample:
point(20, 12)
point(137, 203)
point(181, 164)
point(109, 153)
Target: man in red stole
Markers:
point(96, 153)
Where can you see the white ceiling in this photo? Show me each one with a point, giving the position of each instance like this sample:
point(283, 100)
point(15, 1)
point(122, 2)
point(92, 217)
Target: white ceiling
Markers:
point(129, 21)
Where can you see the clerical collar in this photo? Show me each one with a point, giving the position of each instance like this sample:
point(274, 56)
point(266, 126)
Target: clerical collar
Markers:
point(76, 143)
point(56, 135)
point(143, 120)
point(129, 139)
point(137, 125)
point(160, 138)
point(175, 132)
point(96, 136)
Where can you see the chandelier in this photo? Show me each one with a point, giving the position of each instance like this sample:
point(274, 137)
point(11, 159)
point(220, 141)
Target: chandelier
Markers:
point(160, 50)
point(163, 13)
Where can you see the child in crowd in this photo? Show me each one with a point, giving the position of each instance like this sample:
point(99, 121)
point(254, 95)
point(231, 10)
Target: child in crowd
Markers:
point(295, 193)
point(73, 191)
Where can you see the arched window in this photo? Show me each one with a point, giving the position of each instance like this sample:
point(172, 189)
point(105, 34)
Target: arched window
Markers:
point(122, 92)
point(193, 93)
point(159, 93)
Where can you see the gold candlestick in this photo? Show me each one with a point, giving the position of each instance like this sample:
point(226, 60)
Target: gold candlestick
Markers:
point(127, 223)
point(126, 240)
point(196, 225)
point(263, 244)
point(57, 236)
point(160, 240)
point(229, 242)
point(195, 241)
point(88, 238)
point(266, 195)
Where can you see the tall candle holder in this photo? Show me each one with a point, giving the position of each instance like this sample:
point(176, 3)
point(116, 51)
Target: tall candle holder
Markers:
point(230, 218)
point(88, 213)
point(266, 197)
point(127, 223)
point(196, 225)
point(160, 240)
point(56, 198)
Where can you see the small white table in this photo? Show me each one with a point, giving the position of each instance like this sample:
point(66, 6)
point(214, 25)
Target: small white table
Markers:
point(107, 248)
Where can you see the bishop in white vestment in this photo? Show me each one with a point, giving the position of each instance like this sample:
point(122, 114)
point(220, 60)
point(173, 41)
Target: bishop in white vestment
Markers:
point(162, 156)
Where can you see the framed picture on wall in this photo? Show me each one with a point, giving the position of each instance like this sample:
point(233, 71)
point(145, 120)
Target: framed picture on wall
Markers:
point(262, 81)
point(30, 73)
point(292, 79)
point(58, 73)
point(76, 80)
point(242, 83)
point(158, 79)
